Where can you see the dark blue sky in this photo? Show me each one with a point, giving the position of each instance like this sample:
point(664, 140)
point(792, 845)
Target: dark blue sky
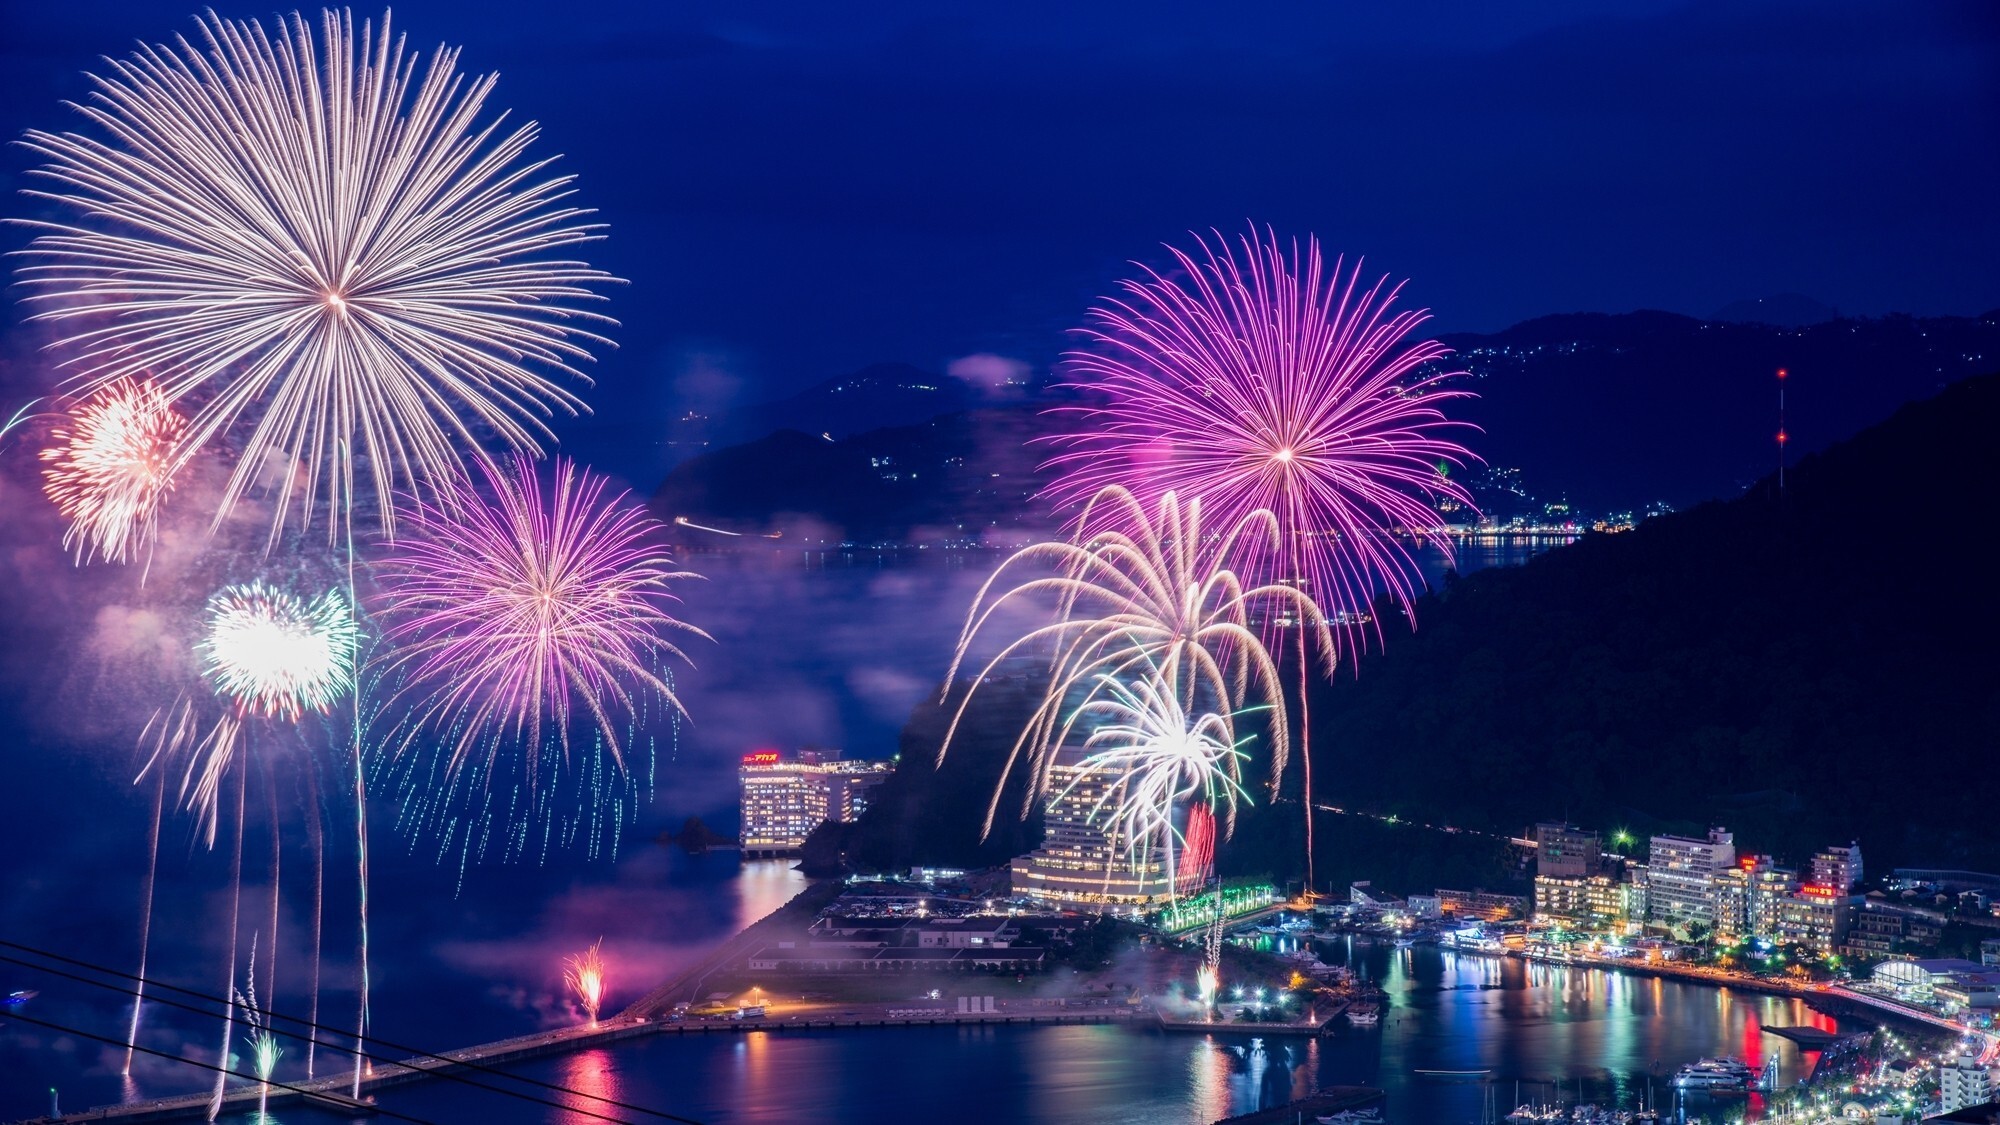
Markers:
point(797, 189)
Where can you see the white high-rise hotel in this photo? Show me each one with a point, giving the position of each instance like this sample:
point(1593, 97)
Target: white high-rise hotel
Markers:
point(786, 797)
point(1682, 871)
point(1079, 864)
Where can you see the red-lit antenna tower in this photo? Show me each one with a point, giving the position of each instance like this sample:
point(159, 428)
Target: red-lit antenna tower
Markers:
point(1781, 431)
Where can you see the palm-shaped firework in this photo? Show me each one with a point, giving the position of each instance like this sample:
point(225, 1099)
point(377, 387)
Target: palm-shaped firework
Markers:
point(320, 247)
point(1149, 593)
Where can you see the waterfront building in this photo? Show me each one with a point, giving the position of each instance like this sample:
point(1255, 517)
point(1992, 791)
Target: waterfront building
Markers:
point(1749, 899)
point(1564, 851)
point(785, 797)
point(1816, 917)
point(1561, 898)
point(1681, 874)
point(1837, 867)
point(1366, 895)
point(1080, 865)
point(1632, 892)
point(1915, 980)
point(1486, 905)
point(1729, 892)
point(1963, 1083)
point(1883, 928)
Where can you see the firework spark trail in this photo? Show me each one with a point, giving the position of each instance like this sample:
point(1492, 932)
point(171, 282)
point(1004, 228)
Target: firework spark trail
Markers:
point(318, 834)
point(1262, 381)
point(515, 620)
point(1198, 847)
point(111, 466)
point(146, 917)
point(1151, 756)
point(264, 1049)
point(583, 974)
point(1138, 590)
point(235, 918)
point(316, 242)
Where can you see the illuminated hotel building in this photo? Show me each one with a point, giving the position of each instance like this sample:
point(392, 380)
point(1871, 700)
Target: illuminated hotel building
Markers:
point(1681, 876)
point(1079, 865)
point(785, 797)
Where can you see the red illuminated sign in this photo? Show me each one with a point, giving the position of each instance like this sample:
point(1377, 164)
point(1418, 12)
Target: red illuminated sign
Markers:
point(761, 758)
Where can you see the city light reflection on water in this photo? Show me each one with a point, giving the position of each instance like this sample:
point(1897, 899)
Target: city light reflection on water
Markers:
point(1542, 1030)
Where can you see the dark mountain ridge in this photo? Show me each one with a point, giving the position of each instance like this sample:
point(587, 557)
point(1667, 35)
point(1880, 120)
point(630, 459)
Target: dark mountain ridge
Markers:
point(1807, 667)
point(1608, 412)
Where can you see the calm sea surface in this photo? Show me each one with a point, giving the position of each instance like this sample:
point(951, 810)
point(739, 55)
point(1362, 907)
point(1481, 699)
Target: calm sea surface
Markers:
point(1542, 1029)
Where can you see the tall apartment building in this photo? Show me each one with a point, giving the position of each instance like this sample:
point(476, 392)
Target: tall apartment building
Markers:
point(1680, 876)
point(1749, 898)
point(1816, 917)
point(1564, 851)
point(785, 796)
point(1080, 864)
point(1963, 1083)
point(1837, 867)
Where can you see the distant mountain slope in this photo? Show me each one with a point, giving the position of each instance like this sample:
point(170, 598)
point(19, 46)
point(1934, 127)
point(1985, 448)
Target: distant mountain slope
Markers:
point(1784, 310)
point(959, 477)
point(1609, 412)
point(1618, 410)
point(877, 396)
point(1804, 669)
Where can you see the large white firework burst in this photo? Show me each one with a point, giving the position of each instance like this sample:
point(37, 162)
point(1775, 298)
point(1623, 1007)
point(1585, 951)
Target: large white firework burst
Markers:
point(320, 246)
point(1152, 756)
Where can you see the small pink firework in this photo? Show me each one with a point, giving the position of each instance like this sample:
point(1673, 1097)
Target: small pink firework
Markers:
point(583, 973)
point(111, 466)
point(1261, 381)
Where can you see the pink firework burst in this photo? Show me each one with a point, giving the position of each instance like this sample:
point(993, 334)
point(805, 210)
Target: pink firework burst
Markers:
point(111, 466)
point(514, 617)
point(1255, 378)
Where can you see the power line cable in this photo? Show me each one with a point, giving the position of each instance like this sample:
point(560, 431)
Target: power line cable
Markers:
point(80, 1033)
point(370, 1057)
point(442, 1072)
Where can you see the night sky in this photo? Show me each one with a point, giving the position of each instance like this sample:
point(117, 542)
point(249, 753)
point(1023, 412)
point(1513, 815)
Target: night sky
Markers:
point(795, 190)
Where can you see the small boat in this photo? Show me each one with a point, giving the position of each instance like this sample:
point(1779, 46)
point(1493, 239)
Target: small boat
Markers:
point(1453, 1075)
point(15, 999)
point(1370, 1116)
point(1723, 1075)
point(1364, 1015)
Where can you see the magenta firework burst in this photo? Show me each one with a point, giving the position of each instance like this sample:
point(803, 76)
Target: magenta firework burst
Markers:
point(525, 616)
point(1261, 380)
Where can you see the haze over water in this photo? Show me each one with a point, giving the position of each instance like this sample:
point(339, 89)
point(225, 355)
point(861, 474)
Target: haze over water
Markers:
point(1544, 1025)
point(802, 655)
